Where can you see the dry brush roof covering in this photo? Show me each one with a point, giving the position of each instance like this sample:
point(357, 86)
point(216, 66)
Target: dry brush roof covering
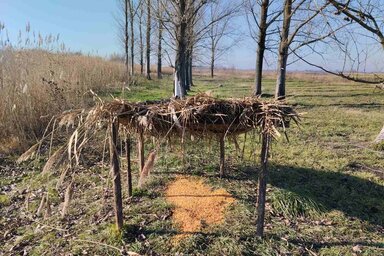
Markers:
point(201, 115)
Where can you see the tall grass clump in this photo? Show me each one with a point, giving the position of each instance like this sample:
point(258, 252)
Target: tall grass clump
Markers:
point(40, 78)
point(291, 205)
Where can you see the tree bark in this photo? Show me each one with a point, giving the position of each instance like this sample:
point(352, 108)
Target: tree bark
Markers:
point(212, 61)
point(190, 68)
point(283, 51)
point(131, 11)
point(181, 47)
point(187, 78)
point(159, 44)
point(262, 185)
point(141, 40)
point(261, 47)
point(126, 37)
point(129, 168)
point(148, 39)
point(115, 169)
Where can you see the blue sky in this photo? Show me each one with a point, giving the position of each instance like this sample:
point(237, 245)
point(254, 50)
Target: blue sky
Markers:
point(86, 25)
point(89, 26)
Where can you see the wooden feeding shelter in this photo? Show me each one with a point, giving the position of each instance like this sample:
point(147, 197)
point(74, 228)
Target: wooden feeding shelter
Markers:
point(201, 115)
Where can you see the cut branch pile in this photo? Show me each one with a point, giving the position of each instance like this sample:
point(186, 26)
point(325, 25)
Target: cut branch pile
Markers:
point(200, 115)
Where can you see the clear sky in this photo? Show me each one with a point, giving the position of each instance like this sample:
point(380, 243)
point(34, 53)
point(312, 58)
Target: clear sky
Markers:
point(89, 26)
point(86, 25)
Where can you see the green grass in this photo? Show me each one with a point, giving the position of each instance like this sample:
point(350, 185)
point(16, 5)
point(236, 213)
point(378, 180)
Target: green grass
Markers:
point(320, 198)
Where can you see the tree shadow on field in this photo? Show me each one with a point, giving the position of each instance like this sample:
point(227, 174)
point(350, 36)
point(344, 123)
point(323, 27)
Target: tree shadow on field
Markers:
point(363, 106)
point(355, 197)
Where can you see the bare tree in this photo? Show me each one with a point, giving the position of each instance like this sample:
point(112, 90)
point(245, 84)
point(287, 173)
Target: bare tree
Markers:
point(178, 15)
point(299, 33)
point(259, 13)
point(132, 13)
point(364, 12)
point(160, 38)
point(365, 15)
point(128, 9)
point(220, 34)
point(141, 43)
point(123, 24)
point(180, 21)
point(148, 41)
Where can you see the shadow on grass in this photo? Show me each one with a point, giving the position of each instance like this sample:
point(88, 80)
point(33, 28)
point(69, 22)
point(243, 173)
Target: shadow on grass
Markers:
point(341, 105)
point(134, 232)
point(318, 245)
point(355, 197)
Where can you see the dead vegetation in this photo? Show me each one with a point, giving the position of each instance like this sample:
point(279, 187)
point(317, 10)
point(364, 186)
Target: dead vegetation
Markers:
point(37, 84)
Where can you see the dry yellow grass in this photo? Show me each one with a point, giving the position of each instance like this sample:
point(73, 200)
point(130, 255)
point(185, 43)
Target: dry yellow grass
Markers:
point(36, 84)
point(196, 204)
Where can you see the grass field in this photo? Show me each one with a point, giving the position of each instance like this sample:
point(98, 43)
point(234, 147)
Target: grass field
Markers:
point(325, 190)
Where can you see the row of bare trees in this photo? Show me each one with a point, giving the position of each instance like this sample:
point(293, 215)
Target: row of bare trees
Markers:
point(185, 29)
point(202, 31)
point(304, 30)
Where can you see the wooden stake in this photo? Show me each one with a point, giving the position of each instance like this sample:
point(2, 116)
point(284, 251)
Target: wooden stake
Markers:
point(115, 169)
point(222, 156)
point(129, 170)
point(262, 185)
point(140, 150)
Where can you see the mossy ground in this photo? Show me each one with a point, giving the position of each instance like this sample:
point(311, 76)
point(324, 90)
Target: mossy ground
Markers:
point(323, 198)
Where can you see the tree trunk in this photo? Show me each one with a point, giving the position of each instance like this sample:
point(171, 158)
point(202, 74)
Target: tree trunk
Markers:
point(190, 69)
point(187, 79)
point(141, 40)
point(159, 45)
point(126, 38)
point(261, 46)
point(131, 11)
point(115, 169)
point(181, 47)
point(283, 51)
point(129, 169)
point(212, 62)
point(180, 70)
point(262, 185)
point(148, 39)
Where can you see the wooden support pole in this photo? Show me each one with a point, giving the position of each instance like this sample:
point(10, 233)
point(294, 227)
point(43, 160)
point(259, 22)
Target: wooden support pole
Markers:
point(115, 169)
point(140, 150)
point(222, 156)
point(262, 185)
point(129, 169)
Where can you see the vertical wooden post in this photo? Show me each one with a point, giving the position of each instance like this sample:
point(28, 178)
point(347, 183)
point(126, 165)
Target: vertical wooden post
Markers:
point(115, 169)
point(140, 150)
point(129, 169)
point(222, 156)
point(262, 185)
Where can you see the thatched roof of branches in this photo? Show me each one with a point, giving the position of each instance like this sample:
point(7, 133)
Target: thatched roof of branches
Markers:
point(201, 115)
